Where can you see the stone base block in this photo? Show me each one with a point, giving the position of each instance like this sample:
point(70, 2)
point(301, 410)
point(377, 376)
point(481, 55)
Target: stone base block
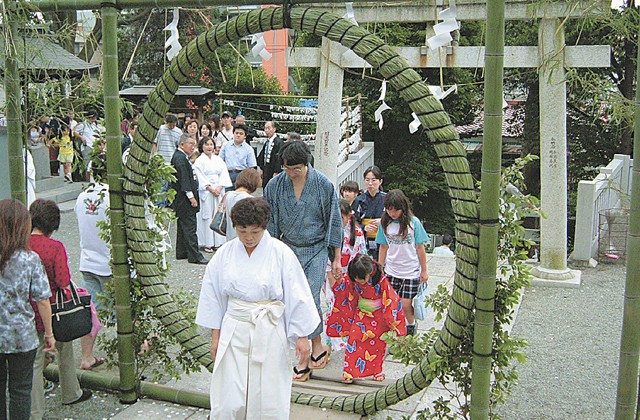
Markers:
point(555, 278)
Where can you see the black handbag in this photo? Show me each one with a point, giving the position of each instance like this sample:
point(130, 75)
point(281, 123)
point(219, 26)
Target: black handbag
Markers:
point(219, 222)
point(71, 318)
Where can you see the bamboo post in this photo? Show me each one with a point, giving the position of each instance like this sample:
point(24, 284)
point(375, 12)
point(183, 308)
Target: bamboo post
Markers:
point(14, 123)
point(630, 340)
point(489, 211)
point(119, 257)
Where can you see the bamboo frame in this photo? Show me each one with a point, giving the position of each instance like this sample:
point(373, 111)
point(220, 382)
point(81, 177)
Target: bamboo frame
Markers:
point(438, 129)
point(626, 398)
point(489, 212)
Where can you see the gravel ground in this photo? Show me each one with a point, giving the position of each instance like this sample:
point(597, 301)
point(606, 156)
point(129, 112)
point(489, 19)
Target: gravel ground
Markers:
point(574, 344)
point(574, 337)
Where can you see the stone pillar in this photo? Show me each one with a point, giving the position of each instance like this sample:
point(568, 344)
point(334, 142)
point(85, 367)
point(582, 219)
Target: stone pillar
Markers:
point(553, 153)
point(329, 109)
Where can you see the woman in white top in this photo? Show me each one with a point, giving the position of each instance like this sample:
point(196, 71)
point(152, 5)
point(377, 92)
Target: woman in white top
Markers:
point(247, 183)
point(213, 177)
point(256, 300)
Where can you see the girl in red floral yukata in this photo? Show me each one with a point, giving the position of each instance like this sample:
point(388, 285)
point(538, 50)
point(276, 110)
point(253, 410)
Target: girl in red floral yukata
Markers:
point(366, 306)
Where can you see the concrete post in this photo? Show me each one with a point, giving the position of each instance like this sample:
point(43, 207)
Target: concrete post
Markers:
point(329, 105)
point(553, 153)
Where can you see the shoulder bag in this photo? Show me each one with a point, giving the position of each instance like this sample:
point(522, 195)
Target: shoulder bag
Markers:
point(219, 222)
point(71, 318)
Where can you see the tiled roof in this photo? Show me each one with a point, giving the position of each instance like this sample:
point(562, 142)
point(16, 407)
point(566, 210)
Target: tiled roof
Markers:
point(42, 54)
point(512, 126)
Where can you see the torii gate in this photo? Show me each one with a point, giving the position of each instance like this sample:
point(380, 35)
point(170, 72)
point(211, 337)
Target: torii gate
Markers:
point(550, 57)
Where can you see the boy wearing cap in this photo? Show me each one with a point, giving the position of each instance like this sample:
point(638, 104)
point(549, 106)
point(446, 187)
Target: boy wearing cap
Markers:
point(226, 133)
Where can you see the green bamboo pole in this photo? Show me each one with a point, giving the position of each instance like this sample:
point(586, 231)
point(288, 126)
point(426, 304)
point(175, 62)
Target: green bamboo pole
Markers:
point(630, 340)
point(108, 381)
point(489, 212)
point(14, 123)
point(119, 256)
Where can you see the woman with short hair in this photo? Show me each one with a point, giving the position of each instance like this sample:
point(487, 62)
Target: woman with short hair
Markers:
point(247, 183)
point(256, 300)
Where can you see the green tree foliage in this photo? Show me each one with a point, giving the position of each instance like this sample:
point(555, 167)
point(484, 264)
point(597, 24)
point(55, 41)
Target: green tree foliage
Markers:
point(408, 162)
point(226, 71)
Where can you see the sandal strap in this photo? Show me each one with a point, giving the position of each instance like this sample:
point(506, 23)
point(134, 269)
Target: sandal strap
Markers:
point(319, 357)
point(301, 371)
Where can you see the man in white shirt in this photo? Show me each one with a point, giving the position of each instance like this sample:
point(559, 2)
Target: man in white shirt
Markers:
point(88, 131)
point(95, 256)
point(444, 249)
point(168, 137)
point(226, 133)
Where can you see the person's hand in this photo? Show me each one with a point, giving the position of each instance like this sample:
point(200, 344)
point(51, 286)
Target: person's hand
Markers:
point(303, 351)
point(214, 347)
point(372, 226)
point(424, 277)
point(217, 191)
point(193, 202)
point(49, 343)
point(336, 268)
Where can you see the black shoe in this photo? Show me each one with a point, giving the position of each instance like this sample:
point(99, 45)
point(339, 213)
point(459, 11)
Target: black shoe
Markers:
point(411, 329)
point(201, 262)
point(86, 394)
point(181, 258)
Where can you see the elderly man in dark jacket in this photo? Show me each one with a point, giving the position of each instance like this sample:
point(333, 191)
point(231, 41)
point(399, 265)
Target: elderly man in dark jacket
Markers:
point(186, 202)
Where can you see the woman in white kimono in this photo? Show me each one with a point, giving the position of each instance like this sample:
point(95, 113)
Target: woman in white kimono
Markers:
point(213, 177)
point(256, 300)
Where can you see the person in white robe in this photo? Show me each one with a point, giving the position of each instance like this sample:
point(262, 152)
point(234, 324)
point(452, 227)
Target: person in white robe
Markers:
point(213, 177)
point(256, 300)
point(30, 177)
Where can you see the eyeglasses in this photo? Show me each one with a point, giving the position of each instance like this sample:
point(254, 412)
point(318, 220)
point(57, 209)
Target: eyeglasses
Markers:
point(370, 180)
point(296, 169)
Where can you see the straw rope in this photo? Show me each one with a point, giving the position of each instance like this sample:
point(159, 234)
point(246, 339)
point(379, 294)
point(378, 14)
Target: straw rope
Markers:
point(437, 127)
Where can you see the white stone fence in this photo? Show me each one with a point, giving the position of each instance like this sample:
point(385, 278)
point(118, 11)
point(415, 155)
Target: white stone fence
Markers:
point(609, 190)
point(353, 168)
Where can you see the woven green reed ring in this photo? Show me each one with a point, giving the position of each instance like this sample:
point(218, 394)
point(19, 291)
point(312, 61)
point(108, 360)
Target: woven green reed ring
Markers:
point(437, 126)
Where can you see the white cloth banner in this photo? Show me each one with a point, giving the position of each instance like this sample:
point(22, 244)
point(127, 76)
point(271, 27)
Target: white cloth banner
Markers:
point(350, 15)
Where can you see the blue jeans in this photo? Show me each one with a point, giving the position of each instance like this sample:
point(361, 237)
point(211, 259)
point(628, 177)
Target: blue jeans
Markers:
point(17, 370)
point(97, 286)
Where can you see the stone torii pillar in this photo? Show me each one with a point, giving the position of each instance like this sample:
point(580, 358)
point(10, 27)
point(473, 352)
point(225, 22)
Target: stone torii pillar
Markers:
point(329, 109)
point(553, 156)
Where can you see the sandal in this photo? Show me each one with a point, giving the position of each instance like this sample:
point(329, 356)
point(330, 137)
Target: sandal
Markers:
point(322, 358)
point(379, 377)
point(306, 374)
point(209, 250)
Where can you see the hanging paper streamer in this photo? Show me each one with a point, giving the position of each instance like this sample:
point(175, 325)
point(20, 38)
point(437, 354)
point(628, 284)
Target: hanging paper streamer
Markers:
point(440, 94)
point(413, 125)
point(383, 107)
point(378, 113)
point(260, 47)
point(443, 29)
point(172, 42)
point(350, 15)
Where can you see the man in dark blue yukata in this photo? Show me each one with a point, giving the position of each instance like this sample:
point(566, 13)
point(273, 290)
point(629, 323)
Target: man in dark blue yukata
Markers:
point(305, 215)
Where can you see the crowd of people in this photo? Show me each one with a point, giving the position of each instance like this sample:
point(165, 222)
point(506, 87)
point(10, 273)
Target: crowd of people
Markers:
point(261, 291)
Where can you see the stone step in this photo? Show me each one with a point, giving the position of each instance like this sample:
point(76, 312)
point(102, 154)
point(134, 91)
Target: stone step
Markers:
point(49, 183)
point(64, 193)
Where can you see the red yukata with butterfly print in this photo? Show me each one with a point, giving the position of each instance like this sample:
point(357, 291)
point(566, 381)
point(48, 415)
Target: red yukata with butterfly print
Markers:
point(364, 312)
